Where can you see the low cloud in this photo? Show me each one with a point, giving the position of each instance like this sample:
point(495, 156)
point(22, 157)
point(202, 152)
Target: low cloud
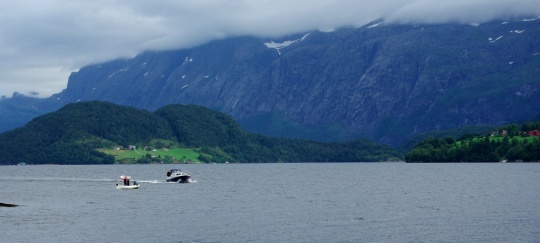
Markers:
point(42, 41)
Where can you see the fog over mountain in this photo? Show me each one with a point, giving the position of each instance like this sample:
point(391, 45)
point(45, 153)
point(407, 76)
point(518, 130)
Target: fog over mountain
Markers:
point(43, 41)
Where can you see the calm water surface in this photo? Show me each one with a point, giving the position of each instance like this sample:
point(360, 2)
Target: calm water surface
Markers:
point(344, 202)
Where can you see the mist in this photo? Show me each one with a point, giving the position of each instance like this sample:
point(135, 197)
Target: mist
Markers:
point(43, 41)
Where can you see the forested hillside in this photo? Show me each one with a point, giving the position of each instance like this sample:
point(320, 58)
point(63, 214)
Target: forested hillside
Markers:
point(73, 134)
point(507, 143)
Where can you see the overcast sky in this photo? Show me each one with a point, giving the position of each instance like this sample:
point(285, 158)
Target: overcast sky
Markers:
point(43, 41)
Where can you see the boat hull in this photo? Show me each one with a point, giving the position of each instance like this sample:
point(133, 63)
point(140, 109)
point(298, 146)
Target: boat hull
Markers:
point(122, 187)
point(180, 179)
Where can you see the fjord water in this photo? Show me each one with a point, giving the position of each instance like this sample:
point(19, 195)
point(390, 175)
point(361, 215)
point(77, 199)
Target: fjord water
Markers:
point(306, 202)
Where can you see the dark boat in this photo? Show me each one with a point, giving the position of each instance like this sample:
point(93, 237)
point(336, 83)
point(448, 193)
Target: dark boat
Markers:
point(176, 175)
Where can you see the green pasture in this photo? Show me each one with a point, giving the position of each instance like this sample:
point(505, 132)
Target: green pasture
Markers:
point(176, 155)
point(500, 138)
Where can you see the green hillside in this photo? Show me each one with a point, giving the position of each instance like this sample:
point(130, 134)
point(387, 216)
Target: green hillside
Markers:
point(104, 133)
point(506, 143)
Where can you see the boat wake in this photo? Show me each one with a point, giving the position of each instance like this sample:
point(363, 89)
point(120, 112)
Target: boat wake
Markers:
point(158, 181)
point(151, 181)
point(59, 179)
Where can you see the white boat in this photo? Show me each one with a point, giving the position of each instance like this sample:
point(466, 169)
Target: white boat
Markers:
point(176, 175)
point(127, 185)
point(122, 187)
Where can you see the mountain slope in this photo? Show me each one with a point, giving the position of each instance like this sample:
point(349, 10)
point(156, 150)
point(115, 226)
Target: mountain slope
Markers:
point(385, 83)
point(73, 134)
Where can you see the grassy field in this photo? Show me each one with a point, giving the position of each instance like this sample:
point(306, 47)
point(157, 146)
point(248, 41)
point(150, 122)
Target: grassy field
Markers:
point(519, 138)
point(500, 138)
point(177, 155)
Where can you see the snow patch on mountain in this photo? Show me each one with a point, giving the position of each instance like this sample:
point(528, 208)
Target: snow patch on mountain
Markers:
point(528, 20)
point(374, 25)
point(187, 59)
point(115, 72)
point(493, 40)
point(279, 46)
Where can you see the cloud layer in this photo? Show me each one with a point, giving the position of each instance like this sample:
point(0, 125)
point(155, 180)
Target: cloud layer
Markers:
point(42, 41)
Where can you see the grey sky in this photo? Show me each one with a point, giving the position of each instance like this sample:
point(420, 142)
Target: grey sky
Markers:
point(42, 41)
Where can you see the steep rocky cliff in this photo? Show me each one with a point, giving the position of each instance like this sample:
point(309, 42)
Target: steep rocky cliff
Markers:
point(384, 82)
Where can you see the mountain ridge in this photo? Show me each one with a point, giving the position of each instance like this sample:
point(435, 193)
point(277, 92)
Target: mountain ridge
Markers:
point(385, 83)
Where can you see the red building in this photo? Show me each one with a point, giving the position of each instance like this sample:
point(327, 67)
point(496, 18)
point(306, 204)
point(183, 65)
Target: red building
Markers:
point(534, 133)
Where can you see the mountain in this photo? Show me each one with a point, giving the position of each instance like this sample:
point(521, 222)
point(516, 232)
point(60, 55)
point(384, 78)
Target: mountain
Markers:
point(74, 133)
point(385, 82)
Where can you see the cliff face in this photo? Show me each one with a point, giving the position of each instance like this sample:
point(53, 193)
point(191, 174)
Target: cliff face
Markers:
point(384, 82)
